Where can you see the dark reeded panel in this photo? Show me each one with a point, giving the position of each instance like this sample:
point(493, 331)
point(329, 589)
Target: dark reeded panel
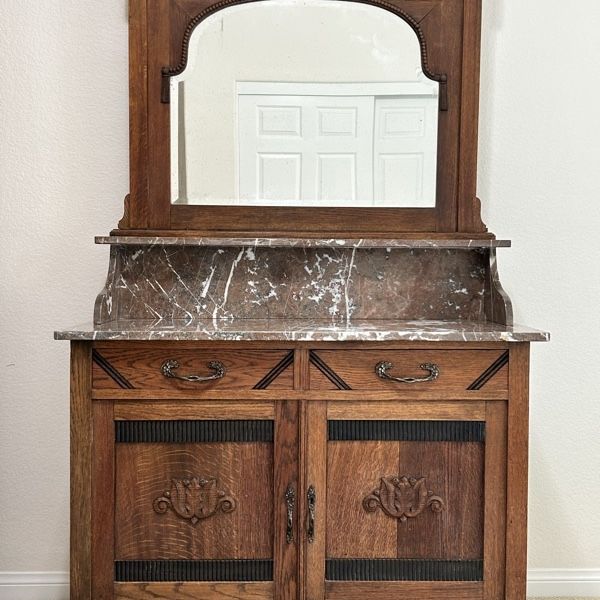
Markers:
point(194, 570)
point(407, 431)
point(403, 570)
point(189, 432)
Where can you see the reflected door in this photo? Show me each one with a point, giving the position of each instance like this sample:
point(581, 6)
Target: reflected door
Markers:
point(319, 145)
point(306, 149)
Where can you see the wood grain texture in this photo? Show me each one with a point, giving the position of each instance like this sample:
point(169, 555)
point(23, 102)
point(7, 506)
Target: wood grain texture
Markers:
point(243, 220)
point(286, 564)
point(442, 27)
point(81, 471)
point(199, 410)
point(469, 206)
point(138, 200)
point(458, 369)
point(495, 501)
point(403, 345)
point(103, 501)
point(159, 125)
point(426, 535)
point(301, 368)
point(303, 485)
point(464, 516)
point(398, 411)
point(389, 396)
point(404, 590)
point(419, 9)
point(452, 471)
point(516, 479)
point(315, 456)
point(244, 471)
point(450, 29)
point(194, 591)
point(141, 366)
point(353, 471)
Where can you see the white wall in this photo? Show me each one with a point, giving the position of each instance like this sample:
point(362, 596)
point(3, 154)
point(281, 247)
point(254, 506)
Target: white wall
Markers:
point(63, 158)
point(63, 176)
point(538, 176)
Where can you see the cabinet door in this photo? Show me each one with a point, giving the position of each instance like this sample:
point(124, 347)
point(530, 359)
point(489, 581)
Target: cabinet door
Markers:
point(405, 501)
point(204, 508)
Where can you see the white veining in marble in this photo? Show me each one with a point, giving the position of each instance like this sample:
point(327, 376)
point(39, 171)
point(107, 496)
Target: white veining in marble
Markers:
point(337, 284)
point(302, 242)
point(305, 331)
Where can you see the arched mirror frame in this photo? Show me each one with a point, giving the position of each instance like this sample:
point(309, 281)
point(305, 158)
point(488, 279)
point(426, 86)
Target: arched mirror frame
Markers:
point(449, 35)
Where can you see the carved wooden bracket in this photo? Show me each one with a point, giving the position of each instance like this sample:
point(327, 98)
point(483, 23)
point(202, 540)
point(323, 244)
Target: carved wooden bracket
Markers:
point(194, 499)
point(403, 498)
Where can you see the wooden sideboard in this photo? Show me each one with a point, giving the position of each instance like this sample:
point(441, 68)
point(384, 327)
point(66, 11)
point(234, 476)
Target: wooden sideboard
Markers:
point(299, 470)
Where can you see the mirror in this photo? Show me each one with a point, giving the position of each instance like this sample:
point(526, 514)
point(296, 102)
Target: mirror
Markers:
point(304, 103)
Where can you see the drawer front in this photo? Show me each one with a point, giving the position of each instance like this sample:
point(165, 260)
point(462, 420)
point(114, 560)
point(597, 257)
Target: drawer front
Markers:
point(431, 371)
point(170, 368)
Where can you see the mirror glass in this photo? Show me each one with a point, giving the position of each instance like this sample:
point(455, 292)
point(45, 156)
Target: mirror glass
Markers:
point(304, 103)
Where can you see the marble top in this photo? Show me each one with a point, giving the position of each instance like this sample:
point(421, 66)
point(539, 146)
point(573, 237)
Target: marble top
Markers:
point(304, 330)
point(441, 243)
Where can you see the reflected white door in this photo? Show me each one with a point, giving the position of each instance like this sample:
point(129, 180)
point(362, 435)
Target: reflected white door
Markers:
point(306, 149)
point(326, 150)
point(405, 148)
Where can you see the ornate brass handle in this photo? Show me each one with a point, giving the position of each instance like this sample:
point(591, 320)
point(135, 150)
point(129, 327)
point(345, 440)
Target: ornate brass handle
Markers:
point(290, 503)
point(382, 368)
point(169, 366)
point(311, 498)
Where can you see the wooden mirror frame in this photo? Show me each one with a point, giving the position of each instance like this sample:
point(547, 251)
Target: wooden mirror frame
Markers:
point(449, 32)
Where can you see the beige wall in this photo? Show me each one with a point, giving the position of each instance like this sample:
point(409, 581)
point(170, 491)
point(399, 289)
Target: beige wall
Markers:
point(538, 173)
point(63, 175)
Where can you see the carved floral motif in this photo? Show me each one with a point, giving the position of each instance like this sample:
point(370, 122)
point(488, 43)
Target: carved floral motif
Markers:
point(403, 498)
point(194, 499)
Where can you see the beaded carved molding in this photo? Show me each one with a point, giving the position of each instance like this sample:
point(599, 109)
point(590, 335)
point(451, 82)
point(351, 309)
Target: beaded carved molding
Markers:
point(171, 71)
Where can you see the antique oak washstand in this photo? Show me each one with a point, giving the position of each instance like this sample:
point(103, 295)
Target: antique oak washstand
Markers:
point(302, 379)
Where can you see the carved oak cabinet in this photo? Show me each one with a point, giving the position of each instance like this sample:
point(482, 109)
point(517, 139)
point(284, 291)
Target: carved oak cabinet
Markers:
point(278, 402)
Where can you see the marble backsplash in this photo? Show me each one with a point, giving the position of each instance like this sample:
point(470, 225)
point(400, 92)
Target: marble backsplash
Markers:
point(333, 284)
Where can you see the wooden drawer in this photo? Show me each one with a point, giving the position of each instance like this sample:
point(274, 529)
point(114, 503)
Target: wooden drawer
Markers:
point(142, 367)
point(457, 370)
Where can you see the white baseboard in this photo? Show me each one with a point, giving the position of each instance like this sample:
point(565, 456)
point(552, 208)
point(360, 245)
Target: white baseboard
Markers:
point(22, 585)
point(543, 583)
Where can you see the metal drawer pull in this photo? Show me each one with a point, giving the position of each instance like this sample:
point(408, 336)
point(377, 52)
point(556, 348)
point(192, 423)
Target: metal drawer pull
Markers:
point(290, 503)
point(311, 497)
point(169, 367)
point(382, 368)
